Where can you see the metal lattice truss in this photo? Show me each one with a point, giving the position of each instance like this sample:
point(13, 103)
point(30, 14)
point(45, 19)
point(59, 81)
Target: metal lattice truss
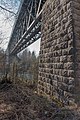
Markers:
point(27, 27)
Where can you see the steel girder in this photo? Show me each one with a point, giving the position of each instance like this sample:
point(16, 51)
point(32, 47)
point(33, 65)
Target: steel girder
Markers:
point(27, 27)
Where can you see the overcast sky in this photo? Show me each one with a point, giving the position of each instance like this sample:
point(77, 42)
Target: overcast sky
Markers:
point(6, 23)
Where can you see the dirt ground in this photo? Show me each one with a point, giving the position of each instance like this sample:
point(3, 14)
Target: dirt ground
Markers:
point(19, 102)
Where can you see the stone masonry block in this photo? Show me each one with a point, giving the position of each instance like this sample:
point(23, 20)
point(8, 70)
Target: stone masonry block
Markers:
point(59, 64)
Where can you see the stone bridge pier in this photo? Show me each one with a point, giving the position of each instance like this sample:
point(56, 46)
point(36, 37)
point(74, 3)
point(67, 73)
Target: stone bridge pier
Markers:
point(59, 65)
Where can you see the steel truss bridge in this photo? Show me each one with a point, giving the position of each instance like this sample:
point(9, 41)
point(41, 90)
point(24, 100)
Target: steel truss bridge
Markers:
point(27, 27)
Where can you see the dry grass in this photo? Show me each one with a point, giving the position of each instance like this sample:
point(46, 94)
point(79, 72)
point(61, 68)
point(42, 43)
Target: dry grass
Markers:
point(19, 102)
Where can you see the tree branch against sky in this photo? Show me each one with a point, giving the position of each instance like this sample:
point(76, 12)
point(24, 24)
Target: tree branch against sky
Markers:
point(8, 10)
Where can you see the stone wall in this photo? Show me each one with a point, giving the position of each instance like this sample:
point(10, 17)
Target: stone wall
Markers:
point(59, 67)
point(76, 24)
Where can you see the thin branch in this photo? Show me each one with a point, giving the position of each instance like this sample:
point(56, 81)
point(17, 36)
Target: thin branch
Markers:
point(7, 10)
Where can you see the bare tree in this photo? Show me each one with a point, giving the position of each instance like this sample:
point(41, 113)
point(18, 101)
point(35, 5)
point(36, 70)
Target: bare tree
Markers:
point(8, 10)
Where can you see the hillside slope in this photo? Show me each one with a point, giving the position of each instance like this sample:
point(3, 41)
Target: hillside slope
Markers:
point(19, 102)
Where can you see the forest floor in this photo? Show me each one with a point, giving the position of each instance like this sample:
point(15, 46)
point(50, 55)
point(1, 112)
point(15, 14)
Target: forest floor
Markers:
point(20, 102)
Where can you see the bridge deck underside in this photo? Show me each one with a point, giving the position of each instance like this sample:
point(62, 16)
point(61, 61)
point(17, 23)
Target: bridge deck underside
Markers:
point(27, 27)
